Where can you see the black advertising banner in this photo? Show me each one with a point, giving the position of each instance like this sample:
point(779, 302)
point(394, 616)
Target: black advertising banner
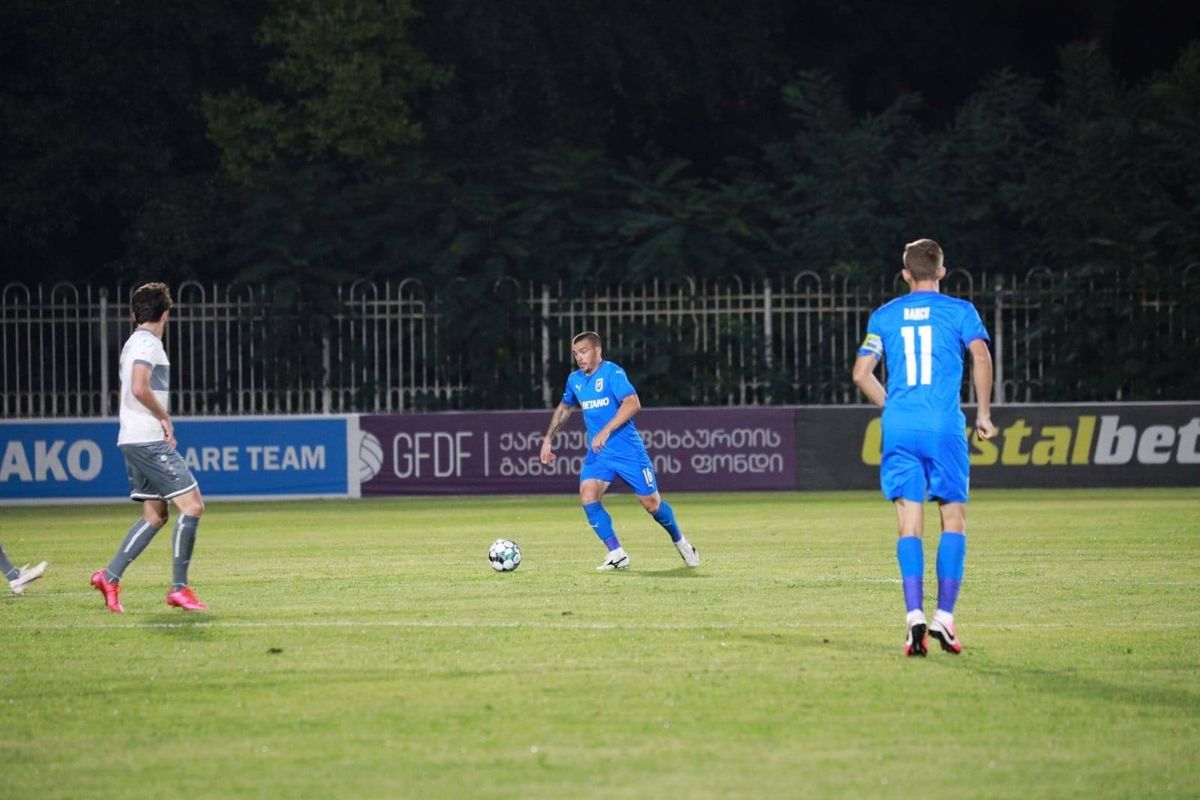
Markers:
point(1066, 445)
point(829, 443)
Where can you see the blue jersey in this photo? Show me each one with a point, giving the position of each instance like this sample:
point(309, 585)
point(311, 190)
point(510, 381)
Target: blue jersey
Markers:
point(600, 395)
point(923, 336)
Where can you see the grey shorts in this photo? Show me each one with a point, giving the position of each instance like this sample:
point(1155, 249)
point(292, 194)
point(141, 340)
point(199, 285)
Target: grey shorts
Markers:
point(156, 472)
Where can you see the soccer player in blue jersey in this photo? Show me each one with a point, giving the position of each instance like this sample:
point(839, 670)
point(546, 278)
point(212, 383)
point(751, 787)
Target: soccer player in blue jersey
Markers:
point(609, 401)
point(923, 336)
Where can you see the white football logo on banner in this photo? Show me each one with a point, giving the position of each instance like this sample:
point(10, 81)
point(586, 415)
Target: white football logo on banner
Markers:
point(370, 456)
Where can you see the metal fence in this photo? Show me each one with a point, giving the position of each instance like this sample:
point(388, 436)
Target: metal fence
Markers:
point(400, 346)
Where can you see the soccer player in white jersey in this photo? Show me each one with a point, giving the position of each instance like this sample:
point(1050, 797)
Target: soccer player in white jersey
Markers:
point(609, 401)
point(923, 336)
point(157, 474)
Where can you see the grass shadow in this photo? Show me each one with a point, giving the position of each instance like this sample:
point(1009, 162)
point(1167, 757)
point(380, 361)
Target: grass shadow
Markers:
point(186, 625)
point(676, 572)
point(1068, 682)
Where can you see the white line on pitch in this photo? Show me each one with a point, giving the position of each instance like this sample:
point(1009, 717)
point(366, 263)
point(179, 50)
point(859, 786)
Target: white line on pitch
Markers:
point(583, 626)
point(800, 583)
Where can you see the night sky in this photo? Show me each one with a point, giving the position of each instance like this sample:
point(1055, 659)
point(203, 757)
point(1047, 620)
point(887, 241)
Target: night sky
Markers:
point(100, 101)
point(943, 49)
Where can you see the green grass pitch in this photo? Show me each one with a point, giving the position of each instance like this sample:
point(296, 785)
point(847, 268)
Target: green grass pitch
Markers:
point(366, 649)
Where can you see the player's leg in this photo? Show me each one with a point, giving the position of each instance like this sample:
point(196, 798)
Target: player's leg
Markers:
point(594, 481)
point(19, 577)
point(949, 483)
point(664, 515)
point(902, 478)
point(951, 555)
point(910, 553)
point(183, 543)
point(108, 580)
point(6, 566)
point(138, 466)
point(641, 478)
point(139, 535)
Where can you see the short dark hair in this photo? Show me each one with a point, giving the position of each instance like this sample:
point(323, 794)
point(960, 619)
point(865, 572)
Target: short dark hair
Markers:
point(923, 258)
point(149, 302)
point(591, 337)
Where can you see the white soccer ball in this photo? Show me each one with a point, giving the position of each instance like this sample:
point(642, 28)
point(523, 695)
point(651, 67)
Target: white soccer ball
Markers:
point(504, 555)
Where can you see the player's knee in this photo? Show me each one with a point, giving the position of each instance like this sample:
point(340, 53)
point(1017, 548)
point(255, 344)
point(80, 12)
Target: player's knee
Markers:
point(155, 518)
point(193, 506)
point(954, 517)
point(651, 503)
point(591, 492)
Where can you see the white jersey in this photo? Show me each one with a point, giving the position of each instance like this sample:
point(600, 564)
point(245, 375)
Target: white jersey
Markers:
point(138, 425)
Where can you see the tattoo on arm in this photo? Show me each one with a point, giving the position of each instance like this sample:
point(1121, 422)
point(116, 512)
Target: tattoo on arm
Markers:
point(559, 419)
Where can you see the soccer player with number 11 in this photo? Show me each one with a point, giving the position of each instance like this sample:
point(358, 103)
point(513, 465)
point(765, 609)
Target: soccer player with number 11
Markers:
point(923, 336)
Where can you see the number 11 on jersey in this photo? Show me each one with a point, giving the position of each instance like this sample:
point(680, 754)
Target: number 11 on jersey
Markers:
point(925, 334)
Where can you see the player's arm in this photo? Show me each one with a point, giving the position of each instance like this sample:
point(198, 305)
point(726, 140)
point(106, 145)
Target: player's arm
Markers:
point(140, 389)
point(981, 374)
point(629, 406)
point(557, 420)
point(865, 380)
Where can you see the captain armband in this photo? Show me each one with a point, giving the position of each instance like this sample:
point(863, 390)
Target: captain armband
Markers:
point(871, 346)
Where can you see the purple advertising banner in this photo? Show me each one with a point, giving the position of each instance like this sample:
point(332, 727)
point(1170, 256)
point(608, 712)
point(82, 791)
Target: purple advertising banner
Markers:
point(496, 452)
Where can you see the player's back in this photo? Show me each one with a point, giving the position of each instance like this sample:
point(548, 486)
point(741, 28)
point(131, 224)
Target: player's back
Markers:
point(924, 336)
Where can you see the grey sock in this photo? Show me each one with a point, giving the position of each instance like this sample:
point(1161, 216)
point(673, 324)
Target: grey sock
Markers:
point(183, 543)
point(6, 566)
point(131, 547)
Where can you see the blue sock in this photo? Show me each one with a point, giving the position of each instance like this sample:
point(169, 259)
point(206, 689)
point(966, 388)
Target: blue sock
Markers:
point(665, 516)
point(911, 555)
point(601, 523)
point(952, 552)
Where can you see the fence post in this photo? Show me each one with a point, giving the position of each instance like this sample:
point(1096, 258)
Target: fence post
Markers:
point(326, 364)
point(546, 395)
point(103, 352)
point(998, 345)
point(768, 336)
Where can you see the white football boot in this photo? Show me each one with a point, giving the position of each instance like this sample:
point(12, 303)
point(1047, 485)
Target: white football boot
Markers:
point(26, 575)
point(616, 559)
point(687, 552)
point(916, 643)
point(942, 629)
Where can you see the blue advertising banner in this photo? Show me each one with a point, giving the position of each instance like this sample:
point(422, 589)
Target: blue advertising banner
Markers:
point(57, 460)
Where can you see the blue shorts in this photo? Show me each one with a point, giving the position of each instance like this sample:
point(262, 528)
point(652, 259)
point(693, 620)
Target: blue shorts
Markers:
point(635, 469)
point(917, 462)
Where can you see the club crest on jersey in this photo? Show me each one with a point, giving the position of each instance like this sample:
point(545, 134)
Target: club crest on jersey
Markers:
point(599, 384)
